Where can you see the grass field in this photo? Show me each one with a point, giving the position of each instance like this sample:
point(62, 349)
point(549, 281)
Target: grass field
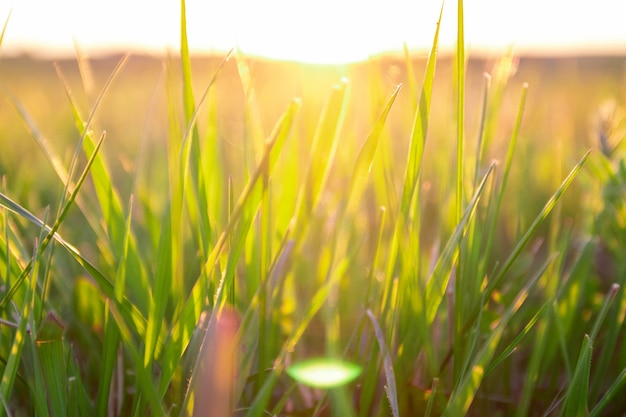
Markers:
point(181, 235)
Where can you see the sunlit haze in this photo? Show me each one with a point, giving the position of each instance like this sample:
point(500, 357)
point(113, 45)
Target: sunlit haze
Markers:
point(321, 31)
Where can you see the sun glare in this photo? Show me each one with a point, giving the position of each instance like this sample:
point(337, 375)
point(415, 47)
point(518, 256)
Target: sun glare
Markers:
point(324, 31)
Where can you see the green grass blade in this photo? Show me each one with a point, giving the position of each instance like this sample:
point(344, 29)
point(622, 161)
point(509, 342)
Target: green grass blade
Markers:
point(254, 121)
point(460, 107)
point(437, 284)
point(410, 76)
point(161, 291)
point(111, 333)
point(4, 27)
point(323, 150)
point(603, 311)
point(614, 390)
point(187, 320)
point(577, 392)
point(420, 127)
point(505, 268)
point(390, 388)
point(507, 171)
point(108, 196)
point(54, 371)
point(543, 214)
point(363, 164)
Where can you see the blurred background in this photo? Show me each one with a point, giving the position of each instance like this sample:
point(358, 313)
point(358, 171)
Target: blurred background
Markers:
point(572, 55)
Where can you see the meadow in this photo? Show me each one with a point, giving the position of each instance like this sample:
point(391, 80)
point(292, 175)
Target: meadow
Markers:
point(186, 235)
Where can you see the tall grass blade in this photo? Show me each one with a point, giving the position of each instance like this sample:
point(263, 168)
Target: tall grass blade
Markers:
point(363, 164)
point(4, 27)
point(111, 333)
point(54, 371)
point(323, 151)
point(438, 282)
point(543, 214)
point(420, 127)
point(390, 388)
point(507, 265)
point(459, 60)
point(577, 393)
point(187, 319)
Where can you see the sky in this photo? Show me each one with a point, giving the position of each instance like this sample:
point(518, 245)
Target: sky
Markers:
point(320, 31)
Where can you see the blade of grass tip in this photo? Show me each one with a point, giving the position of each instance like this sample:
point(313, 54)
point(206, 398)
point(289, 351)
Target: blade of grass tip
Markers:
point(57, 165)
point(109, 200)
point(198, 209)
point(543, 214)
point(480, 143)
point(254, 122)
point(4, 27)
point(363, 164)
point(420, 127)
point(460, 108)
point(603, 311)
point(390, 388)
point(577, 392)
point(464, 393)
point(431, 397)
point(84, 126)
point(13, 361)
point(410, 75)
point(506, 266)
point(323, 149)
point(612, 333)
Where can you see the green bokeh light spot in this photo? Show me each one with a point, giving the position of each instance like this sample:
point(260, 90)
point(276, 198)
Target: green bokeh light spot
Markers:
point(324, 372)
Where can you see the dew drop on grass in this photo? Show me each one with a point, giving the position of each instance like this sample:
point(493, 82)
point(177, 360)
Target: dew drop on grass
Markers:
point(324, 372)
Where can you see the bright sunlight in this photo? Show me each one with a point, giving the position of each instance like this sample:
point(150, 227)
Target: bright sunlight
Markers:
point(324, 31)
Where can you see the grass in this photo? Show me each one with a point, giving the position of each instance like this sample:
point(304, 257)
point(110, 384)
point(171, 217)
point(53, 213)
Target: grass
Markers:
point(207, 273)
